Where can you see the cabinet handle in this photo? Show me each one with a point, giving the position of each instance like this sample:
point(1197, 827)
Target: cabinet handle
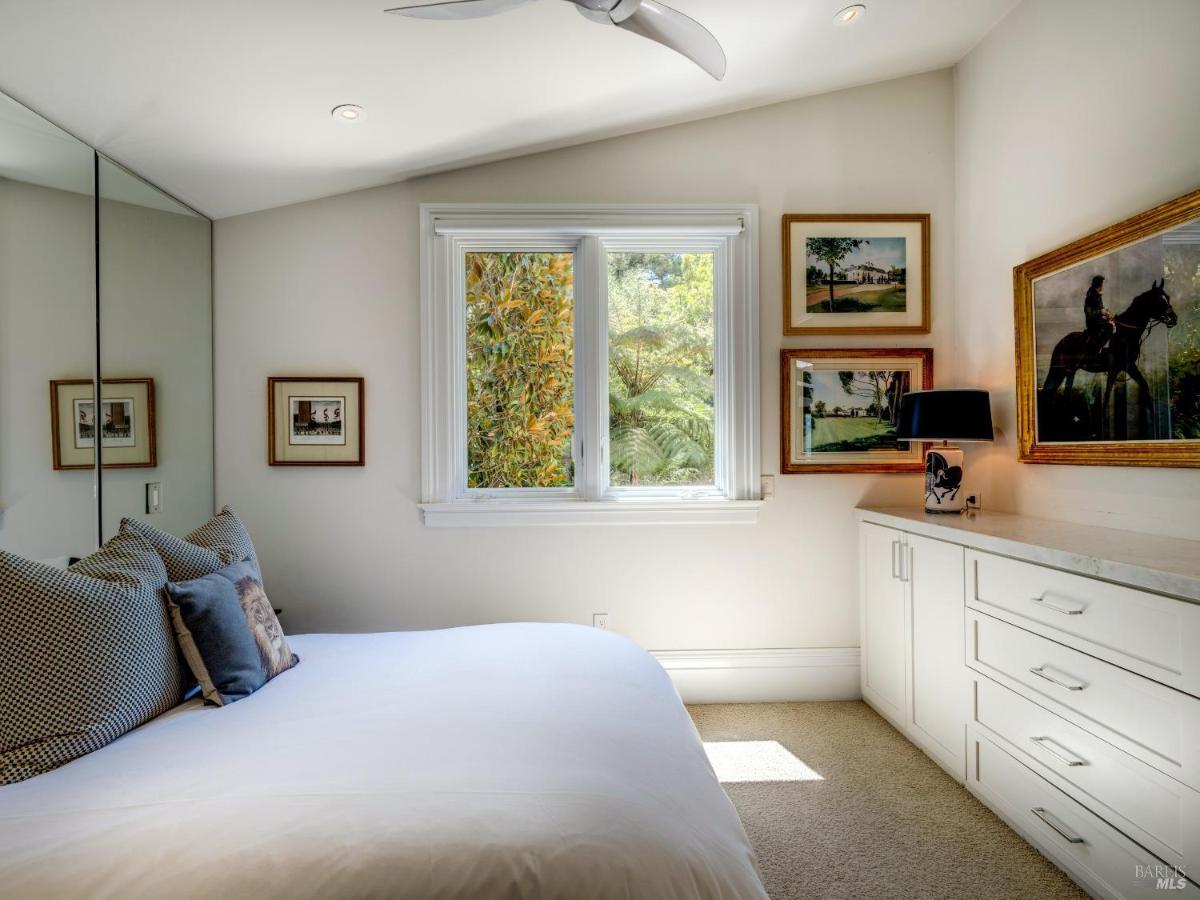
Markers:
point(895, 570)
point(1053, 822)
point(1048, 744)
point(1065, 610)
point(1040, 672)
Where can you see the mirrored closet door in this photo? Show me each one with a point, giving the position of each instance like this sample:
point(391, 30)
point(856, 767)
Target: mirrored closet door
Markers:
point(48, 496)
point(155, 356)
point(106, 405)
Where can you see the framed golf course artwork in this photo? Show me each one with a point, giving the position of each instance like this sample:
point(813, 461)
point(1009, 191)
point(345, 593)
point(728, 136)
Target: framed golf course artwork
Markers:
point(839, 408)
point(1108, 344)
point(856, 274)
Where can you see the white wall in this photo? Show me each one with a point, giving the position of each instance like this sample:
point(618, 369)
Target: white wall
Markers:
point(1071, 115)
point(331, 287)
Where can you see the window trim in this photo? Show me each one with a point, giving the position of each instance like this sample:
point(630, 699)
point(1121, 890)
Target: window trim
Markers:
point(449, 231)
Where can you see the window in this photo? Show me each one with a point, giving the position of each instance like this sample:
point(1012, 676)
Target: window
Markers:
point(590, 364)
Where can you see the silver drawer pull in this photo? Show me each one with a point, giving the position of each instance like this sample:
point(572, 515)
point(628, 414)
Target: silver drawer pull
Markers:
point(1053, 822)
point(895, 573)
point(1048, 744)
point(1059, 607)
point(1040, 672)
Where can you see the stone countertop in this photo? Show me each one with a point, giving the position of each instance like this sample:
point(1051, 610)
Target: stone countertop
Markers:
point(1165, 565)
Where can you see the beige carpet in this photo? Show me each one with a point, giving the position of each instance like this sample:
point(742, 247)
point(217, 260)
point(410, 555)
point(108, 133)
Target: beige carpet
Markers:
point(870, 816)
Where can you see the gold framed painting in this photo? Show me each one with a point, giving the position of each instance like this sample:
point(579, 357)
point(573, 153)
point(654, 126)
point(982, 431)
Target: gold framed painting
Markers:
point(856, 274)
point(839, 407)
point(124, 423)
point(315, 421)
point(1108, 344)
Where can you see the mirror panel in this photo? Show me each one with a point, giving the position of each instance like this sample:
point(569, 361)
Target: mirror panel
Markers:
point(47, 333)
point(156, 410)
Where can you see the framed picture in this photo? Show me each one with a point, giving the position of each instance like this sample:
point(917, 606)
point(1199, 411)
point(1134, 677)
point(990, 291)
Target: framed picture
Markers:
point(124, 423)
point(839, 409)
point(856, 274)
point(1108, 344)
point(315, 421)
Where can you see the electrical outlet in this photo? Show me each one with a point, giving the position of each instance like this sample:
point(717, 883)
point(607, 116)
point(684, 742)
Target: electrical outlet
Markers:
point(975, 501)
point(768, 487)
point(600, 620)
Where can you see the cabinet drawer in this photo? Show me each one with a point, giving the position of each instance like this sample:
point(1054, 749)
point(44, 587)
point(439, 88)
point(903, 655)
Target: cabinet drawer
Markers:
point(1154, 723)
point(1155, 810)
point(1104, 861)
point(1145, 633)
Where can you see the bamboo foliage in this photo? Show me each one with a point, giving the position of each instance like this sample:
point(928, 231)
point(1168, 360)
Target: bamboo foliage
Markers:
point(520, 369)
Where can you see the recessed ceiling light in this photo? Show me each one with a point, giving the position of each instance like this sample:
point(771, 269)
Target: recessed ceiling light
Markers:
point(850, 14)
point(348, 112)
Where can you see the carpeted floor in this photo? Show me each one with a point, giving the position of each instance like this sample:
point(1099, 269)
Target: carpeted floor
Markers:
point(863, 813)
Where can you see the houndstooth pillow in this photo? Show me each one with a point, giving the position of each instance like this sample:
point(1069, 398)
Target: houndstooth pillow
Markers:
point(86, 654)
point(219, 542)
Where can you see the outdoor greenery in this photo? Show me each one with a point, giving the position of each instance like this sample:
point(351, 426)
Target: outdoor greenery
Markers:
point(660, 308)
point(520, 369)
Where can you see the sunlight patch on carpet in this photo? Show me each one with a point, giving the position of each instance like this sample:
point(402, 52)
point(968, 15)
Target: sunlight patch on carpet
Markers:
point(742, 761)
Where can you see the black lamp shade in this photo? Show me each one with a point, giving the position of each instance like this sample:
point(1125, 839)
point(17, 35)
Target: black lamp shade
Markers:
point(949, 415)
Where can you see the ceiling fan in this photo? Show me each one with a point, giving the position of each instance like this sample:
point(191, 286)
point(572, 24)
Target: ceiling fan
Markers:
point(649, 18)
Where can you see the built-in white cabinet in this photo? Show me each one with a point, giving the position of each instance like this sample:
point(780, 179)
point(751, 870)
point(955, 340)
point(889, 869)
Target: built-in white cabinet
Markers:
point(1061, 686)
point(912, 634)
point(883, 621)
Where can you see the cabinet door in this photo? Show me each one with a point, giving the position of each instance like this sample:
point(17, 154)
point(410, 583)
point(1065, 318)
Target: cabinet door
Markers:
point(883, 621)
point(938, 712)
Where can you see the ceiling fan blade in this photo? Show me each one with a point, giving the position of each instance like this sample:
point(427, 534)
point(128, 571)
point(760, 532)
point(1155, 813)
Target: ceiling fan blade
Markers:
point(673, 29)
point(457, 9)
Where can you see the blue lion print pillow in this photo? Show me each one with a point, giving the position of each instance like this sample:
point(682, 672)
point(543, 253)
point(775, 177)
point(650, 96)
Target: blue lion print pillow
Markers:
point(228, 632)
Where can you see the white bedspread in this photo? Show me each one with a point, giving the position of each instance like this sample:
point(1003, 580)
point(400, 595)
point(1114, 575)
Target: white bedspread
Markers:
point(499, 761)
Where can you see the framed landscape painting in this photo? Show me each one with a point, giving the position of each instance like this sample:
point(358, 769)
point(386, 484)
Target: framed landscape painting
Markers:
point(1108, 344)
point(314, 421)
point(124, 423)
point(839, 408)
point(856, 274)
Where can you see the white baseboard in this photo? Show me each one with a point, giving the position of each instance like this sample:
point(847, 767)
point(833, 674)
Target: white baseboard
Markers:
point(762, 676)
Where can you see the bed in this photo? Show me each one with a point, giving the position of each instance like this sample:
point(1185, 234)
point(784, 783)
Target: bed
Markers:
point(495, 761)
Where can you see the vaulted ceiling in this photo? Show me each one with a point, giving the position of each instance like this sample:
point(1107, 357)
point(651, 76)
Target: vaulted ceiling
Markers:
point(226, 103)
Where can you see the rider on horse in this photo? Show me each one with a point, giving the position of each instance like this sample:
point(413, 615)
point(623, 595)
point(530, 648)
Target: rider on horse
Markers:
point(1098, 322)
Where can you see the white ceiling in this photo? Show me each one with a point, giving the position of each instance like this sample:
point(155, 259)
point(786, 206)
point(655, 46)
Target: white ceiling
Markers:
point(226, 103)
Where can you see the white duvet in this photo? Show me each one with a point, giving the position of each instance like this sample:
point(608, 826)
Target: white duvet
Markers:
point(499, 761)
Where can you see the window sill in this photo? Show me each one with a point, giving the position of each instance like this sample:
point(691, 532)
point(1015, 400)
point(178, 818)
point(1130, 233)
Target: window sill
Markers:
point(657, 511)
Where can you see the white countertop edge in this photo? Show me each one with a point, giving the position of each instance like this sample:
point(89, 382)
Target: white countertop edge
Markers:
point(1164, 565)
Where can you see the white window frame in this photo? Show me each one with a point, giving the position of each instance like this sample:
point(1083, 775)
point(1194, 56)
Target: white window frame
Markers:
point(729, 232)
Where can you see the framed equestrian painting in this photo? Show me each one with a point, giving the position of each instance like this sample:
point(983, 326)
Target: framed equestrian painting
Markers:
point(856, 274)
point(839, 407)
point(1108, 344)
point(315, 421)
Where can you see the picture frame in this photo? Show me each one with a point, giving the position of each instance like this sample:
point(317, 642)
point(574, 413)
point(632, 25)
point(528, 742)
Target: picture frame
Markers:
point(316, 420)
point(1108, 344)
point(856, 273)
point(838, 409)
point(128, 438)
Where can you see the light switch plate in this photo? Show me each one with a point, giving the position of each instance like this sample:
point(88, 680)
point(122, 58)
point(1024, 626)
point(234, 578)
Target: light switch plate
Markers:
point(153, 497)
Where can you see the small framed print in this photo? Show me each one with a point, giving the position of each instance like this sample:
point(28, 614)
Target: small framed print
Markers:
point(856, 274)
point(839, 409)
point(315, 421)
point(124, 423)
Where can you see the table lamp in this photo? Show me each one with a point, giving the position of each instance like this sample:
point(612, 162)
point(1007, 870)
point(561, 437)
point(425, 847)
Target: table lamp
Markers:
point(944, 415)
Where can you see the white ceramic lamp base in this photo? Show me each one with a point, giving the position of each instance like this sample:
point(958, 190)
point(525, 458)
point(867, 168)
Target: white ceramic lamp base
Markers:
point(944, 479)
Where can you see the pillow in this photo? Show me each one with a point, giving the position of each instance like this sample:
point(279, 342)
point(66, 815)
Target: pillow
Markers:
point(219, 542)
point(86, 654)
point(228, 632)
